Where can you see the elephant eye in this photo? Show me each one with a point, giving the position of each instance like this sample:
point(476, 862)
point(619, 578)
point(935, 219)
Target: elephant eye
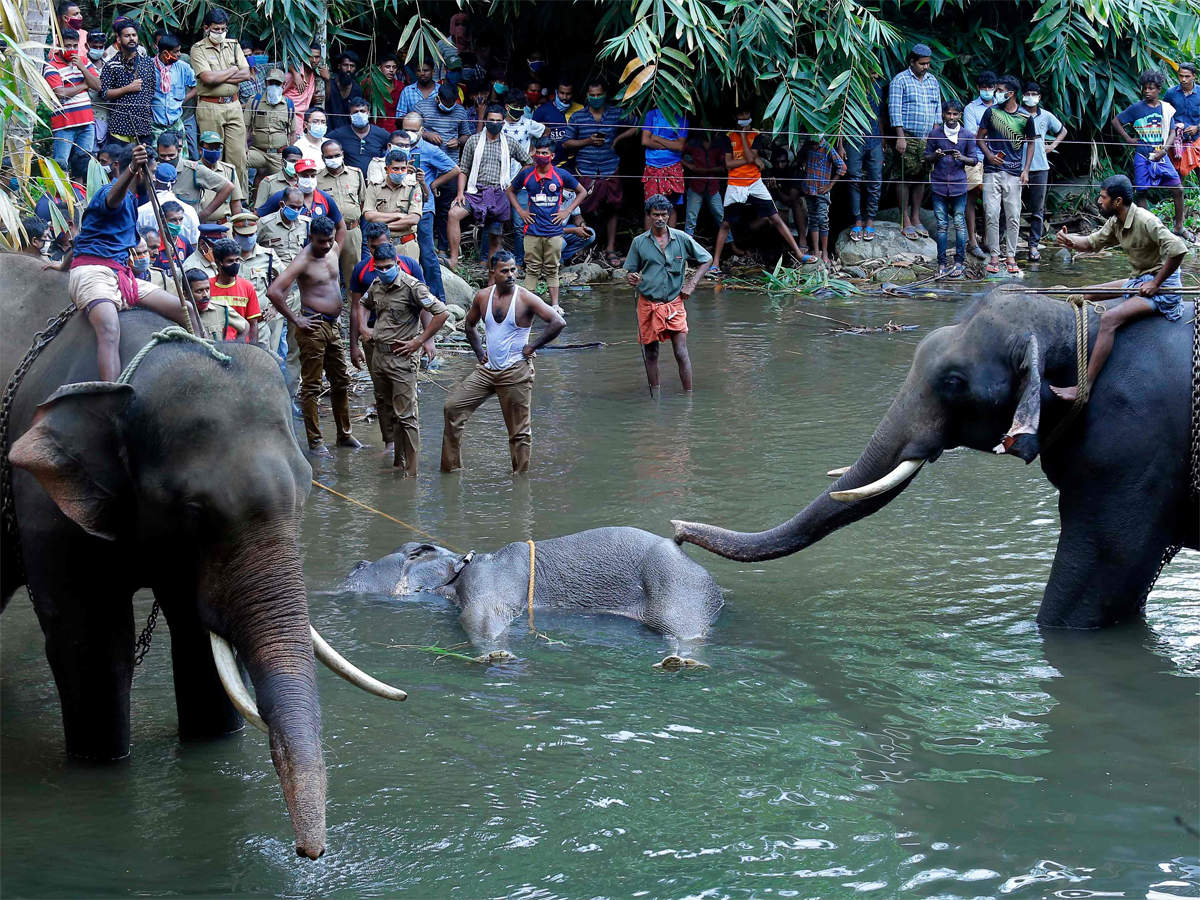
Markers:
point(953, 383)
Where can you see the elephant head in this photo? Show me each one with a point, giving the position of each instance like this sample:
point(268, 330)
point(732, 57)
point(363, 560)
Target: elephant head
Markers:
point(192, 471)
point(414, 568)
point(981, 383)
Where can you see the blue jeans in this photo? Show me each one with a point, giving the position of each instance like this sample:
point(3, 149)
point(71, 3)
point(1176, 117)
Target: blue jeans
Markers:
point(192, 138)
point(864, 170)
point(574, 244)
point(82, 137)
point(518, 235)
point(943, 209)
point(431, 266)
point(695, 200)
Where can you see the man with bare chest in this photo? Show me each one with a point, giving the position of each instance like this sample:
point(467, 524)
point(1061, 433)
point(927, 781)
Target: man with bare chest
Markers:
point(506, 365)
point(315, 272)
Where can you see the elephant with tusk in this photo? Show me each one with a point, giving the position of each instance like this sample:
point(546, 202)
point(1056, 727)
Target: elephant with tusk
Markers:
point(617, 571)
point(186, 480)
point(1122, 466)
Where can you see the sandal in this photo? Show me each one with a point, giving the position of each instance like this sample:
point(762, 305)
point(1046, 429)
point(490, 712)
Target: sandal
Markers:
point(1013, 268)
point(910, 233)
point(869, 233)
point(922, 231)
point(614, 259)
point(856, 233)
point(992, 268)
point(714, 272)
point(1034, 254)
point(806, 259)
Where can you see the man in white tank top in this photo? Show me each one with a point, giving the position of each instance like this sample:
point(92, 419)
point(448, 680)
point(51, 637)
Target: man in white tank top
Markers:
point(505, 367)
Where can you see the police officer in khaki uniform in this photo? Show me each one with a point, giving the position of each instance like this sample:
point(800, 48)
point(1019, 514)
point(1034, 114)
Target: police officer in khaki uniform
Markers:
point(220, 66)
point(260, 266)
point(285, 176)
point(195, 180)
point(398, 203)
point(210, 154)
point(286, 232)
point(201, 258)
point(346, 185)
point(269, 121)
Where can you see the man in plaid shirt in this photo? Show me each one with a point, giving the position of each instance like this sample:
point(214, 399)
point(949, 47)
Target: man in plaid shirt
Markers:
point(914, 107)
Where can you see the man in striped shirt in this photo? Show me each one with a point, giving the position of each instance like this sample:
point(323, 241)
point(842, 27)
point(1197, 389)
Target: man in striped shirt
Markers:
point(70, 75)
point(914, 107)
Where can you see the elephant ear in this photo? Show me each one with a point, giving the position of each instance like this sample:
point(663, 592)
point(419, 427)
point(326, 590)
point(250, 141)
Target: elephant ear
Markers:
point(73, 449)
point(1022, 439)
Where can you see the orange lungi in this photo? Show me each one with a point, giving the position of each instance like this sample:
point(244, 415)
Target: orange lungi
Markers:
point(658, 321)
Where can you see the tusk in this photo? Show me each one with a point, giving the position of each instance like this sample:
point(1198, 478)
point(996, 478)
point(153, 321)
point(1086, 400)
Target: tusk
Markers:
point(343, 667)
point(838, 473)
point(897, 476)
point(231, 680)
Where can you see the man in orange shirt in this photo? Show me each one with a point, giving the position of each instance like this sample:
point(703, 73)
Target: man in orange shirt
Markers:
point(749, 198)
point(232, 290)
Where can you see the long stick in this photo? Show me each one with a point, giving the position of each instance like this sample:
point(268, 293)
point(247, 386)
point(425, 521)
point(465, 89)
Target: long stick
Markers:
point(183, 288)
point(1117, 291)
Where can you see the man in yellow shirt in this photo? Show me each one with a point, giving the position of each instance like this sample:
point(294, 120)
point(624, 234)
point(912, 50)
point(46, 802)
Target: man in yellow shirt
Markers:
point(220, 67)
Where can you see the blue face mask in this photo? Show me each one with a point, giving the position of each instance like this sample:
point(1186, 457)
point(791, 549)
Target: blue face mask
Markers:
point(987, 95)
point(140, 264)
point(290, 213)
point(396, 177)
point(389, 275)
point(211, 156)
point(359, 119)
point(559, 104)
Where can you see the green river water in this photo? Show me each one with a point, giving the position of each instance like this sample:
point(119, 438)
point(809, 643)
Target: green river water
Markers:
point(881, 716)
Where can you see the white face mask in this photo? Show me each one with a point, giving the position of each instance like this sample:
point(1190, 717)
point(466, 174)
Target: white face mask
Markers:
point(414, 136)
point(1031, 100)
point(333, 163)
point(274, 93)
point(317, 130)
point(306, 183)
point(744, 123)
point(951, 129)
point(1002, 96)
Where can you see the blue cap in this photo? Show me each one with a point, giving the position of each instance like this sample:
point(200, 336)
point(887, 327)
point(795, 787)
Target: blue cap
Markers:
point(920, 50)
point(213, 229)
point(166, 173)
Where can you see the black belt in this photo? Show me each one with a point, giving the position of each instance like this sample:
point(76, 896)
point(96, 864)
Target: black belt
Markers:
point(320, 315)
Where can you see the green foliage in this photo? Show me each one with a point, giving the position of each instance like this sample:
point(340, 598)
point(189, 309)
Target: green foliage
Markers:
point(815, 281)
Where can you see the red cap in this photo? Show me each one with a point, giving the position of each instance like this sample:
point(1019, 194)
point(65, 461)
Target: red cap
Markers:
point(305, 165)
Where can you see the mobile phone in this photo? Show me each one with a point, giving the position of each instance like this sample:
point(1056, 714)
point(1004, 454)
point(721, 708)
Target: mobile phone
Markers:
point(415, 159)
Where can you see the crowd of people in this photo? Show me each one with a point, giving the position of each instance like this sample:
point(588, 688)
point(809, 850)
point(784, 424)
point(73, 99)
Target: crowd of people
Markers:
point(281, 194)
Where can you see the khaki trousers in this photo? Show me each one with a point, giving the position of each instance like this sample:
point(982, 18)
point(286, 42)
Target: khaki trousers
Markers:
point(351, 254)
point(322, 352)
point(383, 397)
point(542, 256)
point(398, 379)
point(514, 388)
point(264, 162)
point(226, 120)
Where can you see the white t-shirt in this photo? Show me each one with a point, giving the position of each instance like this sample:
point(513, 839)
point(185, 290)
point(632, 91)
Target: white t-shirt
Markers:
point(522, 131)
point(190, 231)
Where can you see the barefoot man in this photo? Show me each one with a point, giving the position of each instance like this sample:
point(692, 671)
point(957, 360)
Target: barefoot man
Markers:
point(1155, 254)
point(102, 282)
point(315, 270)
point(657, 261)
point(506, 367)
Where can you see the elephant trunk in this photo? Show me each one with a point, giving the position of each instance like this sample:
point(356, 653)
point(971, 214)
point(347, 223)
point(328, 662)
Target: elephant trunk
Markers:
point(881, 469)
point(265, 613)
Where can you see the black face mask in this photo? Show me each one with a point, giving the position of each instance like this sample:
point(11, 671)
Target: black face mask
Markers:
point(231, 269)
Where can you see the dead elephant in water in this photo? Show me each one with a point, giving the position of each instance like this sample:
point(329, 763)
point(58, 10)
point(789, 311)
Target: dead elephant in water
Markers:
point(619, 571)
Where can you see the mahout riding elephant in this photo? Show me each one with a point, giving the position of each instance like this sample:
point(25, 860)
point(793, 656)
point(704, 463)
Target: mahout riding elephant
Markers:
point(187, 480)
point(1121, 465)
point(616, 570)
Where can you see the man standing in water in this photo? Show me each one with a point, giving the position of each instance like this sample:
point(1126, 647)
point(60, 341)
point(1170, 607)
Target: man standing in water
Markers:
point(1155, 254)
point(315, 270)
point(505, 367)
point(656, 261)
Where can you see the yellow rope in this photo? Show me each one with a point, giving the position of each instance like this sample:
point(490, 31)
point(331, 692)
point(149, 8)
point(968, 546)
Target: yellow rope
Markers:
point(529, 598)
point(1080, 305)
point(400, 522)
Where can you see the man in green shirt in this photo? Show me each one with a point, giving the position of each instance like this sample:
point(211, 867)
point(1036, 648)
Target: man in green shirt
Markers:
point(1155, 254)
point(657, 261)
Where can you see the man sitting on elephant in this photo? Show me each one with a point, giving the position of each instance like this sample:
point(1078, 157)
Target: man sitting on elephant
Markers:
point(1155, 254)
point(102, 282)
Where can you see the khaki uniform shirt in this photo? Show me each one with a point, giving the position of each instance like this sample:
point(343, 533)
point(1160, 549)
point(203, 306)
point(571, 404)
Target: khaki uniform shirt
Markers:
point(163, 281)
point(196, 261)
point(348, 190)
point(195, 179)
point(218, 316)
point(263, 267)
point(269, 186)
point(398, 307)
point(224, 210)
point(286, 240)
point(388, 199)
point(1144, 237)
point(207, 58)
point(269, 127)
